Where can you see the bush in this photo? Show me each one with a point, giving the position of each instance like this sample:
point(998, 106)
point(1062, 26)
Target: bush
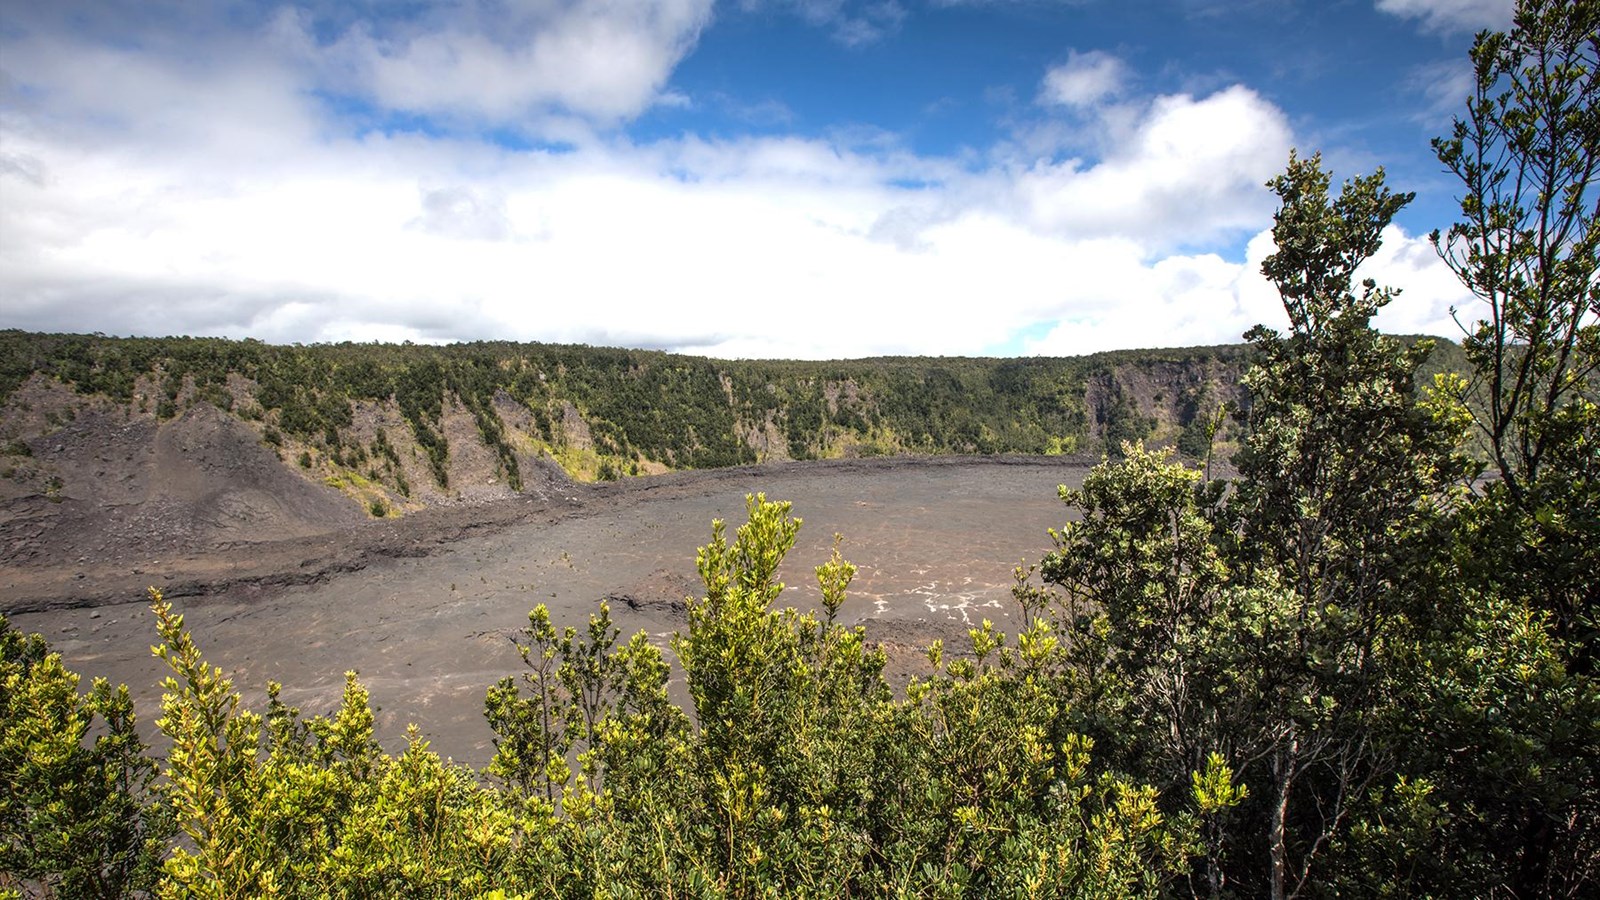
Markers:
point(76, 815)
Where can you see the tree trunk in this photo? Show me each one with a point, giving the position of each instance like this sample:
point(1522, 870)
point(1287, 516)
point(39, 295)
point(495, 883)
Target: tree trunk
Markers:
point(1283, 765)
point(1533, 869)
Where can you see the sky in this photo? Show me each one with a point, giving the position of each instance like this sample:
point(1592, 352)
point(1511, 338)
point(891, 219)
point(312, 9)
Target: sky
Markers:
point(751, 179)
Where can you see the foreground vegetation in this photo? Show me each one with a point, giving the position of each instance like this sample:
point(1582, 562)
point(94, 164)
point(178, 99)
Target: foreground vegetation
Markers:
point(1357, 669)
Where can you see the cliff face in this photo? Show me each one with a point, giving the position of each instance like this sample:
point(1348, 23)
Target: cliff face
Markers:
point(393, 429)
point(1178, 403)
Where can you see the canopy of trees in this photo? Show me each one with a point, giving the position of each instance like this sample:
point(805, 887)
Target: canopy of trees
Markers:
point(649, 407)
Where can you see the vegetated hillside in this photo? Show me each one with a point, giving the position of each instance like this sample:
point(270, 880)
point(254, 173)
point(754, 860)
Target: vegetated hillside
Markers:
point(403, 426)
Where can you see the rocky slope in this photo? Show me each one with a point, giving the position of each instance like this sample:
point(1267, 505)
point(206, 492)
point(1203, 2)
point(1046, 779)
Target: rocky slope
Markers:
point(397, 429)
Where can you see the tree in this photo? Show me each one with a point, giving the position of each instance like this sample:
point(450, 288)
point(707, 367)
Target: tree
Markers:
point(1507, 711)
point(1340, 479)
point(1154, 673)
point(1256, 624)
point(1527, 153)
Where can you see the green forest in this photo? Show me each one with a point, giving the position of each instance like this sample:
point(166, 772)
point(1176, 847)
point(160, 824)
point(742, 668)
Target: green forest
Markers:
point(1364, 664)
point(647, 411)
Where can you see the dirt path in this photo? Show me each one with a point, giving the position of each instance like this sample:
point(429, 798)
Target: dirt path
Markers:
point(424, 607)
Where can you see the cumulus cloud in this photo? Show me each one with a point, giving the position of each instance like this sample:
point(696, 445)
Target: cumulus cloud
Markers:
point(1178, 301)
point(463, 212)
point(1185, 300)
point(248, 209)
point(1084, 79)
point(605, 59)
point(1189, 170)
point(769, 247)
point(496, 62)
point(1453, 15)
point(1429, 291)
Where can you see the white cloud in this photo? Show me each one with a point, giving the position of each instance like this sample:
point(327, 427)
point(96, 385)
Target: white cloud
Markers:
point(603, 59)
point(1084, 79)
point(1453, 15)
point(1429, 290)
point(1445, 86)
point(245, 107)
point(1189, 171)
point(873, 23)
point(500, 62)
point(1178, 301)
point(853, 23)
point(462, 212)
point(1191, 300)
point(769, 247)
point(247, 210)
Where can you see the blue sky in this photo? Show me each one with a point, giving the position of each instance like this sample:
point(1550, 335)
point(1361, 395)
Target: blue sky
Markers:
point(761, 178)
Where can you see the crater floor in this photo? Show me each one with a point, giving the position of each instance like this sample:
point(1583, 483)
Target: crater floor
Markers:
point(425, 608)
